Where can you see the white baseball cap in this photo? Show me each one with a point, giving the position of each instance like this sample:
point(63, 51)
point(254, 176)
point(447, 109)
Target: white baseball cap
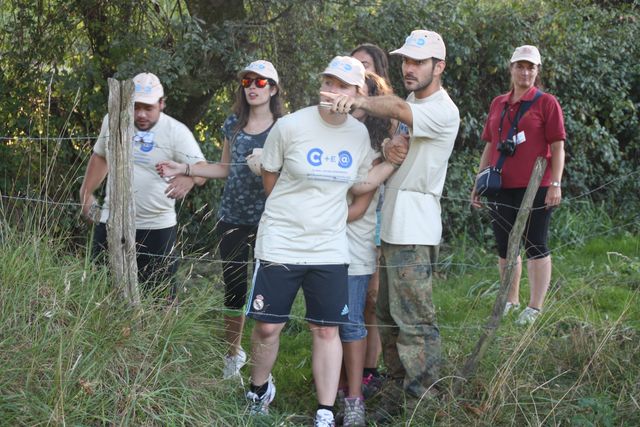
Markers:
point(262, 68)
point(422, 44)
point(147, 89)
point(526, 53)
point(347, 69)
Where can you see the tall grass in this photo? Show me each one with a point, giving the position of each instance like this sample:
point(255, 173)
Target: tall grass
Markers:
point(73, 354)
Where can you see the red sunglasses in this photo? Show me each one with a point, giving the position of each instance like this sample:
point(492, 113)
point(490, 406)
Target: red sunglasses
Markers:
point(260, 82)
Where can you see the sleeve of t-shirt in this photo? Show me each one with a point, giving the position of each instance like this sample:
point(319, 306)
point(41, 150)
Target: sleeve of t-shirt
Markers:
point(227, 128)
point(430, 119)
point(186, 148)
point(273, 150)
point(554, 120)
point(364, 167)
point(100, 147)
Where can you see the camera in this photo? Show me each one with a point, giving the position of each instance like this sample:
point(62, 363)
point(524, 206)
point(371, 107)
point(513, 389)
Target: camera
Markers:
point(507, 147)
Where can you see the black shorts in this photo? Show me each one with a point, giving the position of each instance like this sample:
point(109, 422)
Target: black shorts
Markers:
point(275, 287)
point(504, 209)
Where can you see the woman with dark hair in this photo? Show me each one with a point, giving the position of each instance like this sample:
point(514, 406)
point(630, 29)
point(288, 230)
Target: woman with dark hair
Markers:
point(257, 107)
point(374, 59)
point(516, 138)
point(361, 230)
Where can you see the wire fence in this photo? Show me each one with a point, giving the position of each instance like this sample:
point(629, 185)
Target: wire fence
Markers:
point(209, 258)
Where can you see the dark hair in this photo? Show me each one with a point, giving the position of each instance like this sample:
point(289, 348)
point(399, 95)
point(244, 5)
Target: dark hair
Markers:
point(378, 127)
point(380, 61)
point(241, 107)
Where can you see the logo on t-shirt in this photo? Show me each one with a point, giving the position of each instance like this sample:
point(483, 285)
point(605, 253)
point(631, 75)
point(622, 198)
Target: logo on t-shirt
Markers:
point(145, 139)
point(314, 157)
point(344, 159)
point(329, 166)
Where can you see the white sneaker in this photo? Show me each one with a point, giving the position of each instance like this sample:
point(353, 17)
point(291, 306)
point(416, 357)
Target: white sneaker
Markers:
point(259, 405)
point(324, 418)
point(232, 364)
point(510, 306)
point(528, 316)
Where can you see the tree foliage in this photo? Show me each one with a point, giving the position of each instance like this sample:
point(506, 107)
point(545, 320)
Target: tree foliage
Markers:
point(57, 54)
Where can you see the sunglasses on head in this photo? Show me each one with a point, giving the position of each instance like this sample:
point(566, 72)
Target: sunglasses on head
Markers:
point(260, 82)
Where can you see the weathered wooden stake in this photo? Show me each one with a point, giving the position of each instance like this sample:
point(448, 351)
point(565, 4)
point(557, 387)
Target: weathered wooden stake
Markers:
point(121, 226)
point(513, 250)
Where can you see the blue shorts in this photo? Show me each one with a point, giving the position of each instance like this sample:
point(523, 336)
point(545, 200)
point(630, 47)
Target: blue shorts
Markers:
point(275, 287)
point(355, 329)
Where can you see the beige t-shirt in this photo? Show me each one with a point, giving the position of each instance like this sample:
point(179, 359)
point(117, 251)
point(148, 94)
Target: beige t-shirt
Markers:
point(411, 208)
point(167, 140)
point(361, 235)
point(305, 216)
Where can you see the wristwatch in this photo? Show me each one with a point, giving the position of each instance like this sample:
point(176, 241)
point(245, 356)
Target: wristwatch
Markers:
point(555, 184)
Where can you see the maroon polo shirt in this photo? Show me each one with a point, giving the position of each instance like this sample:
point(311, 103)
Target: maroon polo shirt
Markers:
point(542, 125)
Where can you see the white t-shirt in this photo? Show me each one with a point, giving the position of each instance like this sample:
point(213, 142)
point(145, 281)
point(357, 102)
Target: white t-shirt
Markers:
point(411, 208)
point(361, 235)
point(167, 140)
point(305, 216)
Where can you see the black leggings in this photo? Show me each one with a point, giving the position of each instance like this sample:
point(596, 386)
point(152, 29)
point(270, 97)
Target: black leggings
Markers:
point(155, 268)
point(235, 242)
point(504, 209)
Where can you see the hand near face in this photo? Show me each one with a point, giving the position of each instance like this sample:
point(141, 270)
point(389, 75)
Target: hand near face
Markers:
point(342, 104)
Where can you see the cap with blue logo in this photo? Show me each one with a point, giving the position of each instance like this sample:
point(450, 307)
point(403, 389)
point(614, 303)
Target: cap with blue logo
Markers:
point(347, 69)
point(262, 68)
point(422, 44)
point(147, 89)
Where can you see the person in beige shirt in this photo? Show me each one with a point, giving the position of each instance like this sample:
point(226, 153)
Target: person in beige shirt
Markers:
point(411, 223)
point(157, 137)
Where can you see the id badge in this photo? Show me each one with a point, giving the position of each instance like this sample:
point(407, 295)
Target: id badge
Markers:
point(520, 137)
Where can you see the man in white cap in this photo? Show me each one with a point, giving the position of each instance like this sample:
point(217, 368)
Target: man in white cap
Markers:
point(310, 160)
point(411, 224)
point(157, 137)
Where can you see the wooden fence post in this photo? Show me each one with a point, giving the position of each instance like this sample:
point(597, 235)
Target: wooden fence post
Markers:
point(121, 226)
point(513, 250)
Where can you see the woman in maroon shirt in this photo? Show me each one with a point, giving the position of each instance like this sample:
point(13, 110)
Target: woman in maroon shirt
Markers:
point(539, 132)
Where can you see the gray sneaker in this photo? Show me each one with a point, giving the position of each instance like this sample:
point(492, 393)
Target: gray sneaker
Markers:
point(259, 405)
point(509, 307)
point(528, 316)
point(232, 365)
point(324, 418)
point(354, 412)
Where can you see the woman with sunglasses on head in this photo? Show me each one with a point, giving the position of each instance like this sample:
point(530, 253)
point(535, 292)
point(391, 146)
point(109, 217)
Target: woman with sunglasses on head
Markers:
point(257, 107)
point(516, 138)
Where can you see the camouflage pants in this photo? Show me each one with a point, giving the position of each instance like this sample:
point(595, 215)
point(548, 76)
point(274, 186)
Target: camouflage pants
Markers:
point(407, 317)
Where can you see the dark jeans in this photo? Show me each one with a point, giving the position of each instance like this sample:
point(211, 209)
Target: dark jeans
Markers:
point(153, 247)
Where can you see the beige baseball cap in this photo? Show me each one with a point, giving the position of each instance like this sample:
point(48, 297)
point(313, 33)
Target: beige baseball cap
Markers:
point(347, 69)
point(422, 44)
point(147, 89)
point(262, 68)
point(526, 53)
